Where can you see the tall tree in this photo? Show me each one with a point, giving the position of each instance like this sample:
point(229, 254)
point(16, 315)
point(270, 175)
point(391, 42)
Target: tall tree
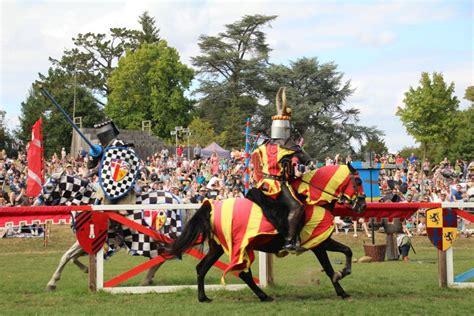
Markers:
point(56, 130)
point(149, 33)
point(149, 84)
point(95, 56)
point(316, 93)
point(429, 114)
point(231, 67)
point(374, 144)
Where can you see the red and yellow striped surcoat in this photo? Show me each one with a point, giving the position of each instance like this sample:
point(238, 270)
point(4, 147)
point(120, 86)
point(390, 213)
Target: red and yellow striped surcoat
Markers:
point(239, 226)
point(266, 160)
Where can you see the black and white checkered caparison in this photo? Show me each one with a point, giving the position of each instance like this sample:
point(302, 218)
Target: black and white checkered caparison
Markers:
point(143, 245)
point(71, 190)
point(116, 189)
point(75, 191)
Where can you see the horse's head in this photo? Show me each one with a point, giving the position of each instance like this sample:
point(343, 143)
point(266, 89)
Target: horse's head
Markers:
point(63, 189)
point(352, 192)
point(332, 183)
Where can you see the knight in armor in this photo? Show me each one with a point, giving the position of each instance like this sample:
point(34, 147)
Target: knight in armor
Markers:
point(107, 134)
point(277, 161)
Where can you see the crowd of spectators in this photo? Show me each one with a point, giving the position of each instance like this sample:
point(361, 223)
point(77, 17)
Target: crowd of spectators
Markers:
point(191, 179)
point(220, 178)
point(414, 180)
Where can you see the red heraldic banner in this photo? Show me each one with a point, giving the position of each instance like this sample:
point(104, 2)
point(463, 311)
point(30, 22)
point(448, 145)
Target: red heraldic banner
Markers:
point(35, 161)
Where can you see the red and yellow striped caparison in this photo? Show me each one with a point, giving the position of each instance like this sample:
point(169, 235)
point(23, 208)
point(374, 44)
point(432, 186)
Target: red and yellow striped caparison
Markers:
point(239, 226)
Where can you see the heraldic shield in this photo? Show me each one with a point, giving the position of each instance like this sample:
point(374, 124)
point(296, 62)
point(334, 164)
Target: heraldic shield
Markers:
point(118, 171)
point(441, 227)
point(91, 231)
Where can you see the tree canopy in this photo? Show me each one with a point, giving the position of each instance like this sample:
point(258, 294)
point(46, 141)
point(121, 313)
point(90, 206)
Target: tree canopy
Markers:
point(149, 84)
point(231, 68)
point(95, 55)
point(316, 93)
point(134, 76)
point(430, 113)
point(150, 33)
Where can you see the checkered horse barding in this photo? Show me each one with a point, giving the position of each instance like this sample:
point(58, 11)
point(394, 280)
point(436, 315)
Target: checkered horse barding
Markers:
point(141, 244)
point(63, 189)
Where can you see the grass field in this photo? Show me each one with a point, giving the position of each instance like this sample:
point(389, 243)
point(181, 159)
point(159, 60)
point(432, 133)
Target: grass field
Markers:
point(386, 288)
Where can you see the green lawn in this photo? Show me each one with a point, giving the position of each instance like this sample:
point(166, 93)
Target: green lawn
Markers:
point(391, 288)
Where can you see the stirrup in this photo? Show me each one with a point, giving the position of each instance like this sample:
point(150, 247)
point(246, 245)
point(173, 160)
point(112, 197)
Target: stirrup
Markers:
point(290, 246)
point(293, 246)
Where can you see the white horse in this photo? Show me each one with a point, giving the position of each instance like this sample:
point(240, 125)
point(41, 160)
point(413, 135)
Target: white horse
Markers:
point(63, 189)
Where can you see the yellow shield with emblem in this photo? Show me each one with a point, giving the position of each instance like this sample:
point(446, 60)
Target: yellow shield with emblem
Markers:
point(441, 227)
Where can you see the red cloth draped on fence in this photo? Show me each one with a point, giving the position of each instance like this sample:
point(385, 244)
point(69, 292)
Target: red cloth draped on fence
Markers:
point(35, 161)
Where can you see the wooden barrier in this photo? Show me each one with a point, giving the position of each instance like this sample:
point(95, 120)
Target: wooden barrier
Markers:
point(96, 267)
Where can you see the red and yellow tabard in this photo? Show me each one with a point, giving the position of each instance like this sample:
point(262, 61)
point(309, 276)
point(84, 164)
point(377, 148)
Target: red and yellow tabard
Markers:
point(266, 161)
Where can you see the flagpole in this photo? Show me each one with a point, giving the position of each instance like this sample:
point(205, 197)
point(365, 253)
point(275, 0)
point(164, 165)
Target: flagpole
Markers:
point(247, 156)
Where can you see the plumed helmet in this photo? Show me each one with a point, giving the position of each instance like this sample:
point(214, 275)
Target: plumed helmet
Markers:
point(106, 132)
point(281, 122)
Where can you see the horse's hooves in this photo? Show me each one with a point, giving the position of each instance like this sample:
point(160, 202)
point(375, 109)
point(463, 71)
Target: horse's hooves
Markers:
point(267, 299)
point(147, 283)
point(51, 287)
point(205, 300)
point(86, 270)
point(346, 297)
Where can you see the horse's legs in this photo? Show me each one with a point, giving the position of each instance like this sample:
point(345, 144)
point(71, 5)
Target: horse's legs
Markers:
point(215, 252)
point(335, 246)
point(248, 279)
point(80, 265)
point(150, 275)
point(73, 253)
point(323, 258)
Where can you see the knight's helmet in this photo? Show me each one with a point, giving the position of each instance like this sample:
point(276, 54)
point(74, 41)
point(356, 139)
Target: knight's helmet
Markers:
point(281, 122)
point(106, 132)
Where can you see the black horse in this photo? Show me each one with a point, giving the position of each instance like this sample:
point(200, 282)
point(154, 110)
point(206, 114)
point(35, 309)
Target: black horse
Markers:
point(237, 227)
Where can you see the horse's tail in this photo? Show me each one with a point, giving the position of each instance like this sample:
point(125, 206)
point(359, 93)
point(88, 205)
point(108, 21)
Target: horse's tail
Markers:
point(198, 225)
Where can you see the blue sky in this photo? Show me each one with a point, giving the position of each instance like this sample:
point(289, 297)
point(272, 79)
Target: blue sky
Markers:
point(381, 46)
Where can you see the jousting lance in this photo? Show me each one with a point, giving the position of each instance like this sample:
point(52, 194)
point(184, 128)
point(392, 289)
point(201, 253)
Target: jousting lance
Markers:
point(95, 150)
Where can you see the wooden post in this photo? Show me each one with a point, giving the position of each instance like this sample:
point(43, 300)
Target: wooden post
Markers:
point(92, 273)
point(269, 269)
point(442, 269)
point(265, 268)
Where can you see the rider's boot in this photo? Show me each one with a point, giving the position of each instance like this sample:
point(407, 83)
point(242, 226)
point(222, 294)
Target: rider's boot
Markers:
point(292, 243)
